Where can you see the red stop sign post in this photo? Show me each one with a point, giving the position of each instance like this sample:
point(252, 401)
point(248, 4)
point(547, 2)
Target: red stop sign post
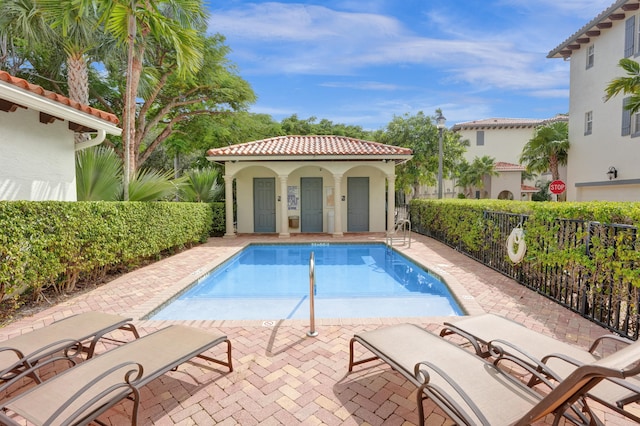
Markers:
point(557, 187)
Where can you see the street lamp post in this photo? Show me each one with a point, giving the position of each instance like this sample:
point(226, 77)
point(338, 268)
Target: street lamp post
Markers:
point(440, 120)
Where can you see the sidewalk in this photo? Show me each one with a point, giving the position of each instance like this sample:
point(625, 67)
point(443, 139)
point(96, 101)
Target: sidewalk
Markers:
point(280, 375)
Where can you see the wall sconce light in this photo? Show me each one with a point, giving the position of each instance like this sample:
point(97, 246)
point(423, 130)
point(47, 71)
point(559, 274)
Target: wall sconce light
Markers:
point(612, 173)
point(278, 198)
point(343, 198)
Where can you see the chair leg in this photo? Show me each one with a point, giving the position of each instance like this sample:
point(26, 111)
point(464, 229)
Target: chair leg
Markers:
point(420, 400)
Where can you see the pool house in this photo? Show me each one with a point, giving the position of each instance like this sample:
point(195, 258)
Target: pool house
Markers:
point(309, 184)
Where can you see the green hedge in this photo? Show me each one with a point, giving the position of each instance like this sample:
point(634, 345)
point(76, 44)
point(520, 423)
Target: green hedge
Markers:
point(44, 244)
point(613, 257)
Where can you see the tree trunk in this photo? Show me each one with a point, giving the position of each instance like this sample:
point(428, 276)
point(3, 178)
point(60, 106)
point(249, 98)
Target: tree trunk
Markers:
point(78, 81)
point(129, 110)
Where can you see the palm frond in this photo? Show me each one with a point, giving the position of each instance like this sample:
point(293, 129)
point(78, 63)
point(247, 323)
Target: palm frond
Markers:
point(98, 174)
point(152, 185)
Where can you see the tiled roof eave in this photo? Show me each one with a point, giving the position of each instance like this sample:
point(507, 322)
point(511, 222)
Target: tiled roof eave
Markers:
point(293, 157)
point(558, 51)
point(458, 127)
point(43, 104)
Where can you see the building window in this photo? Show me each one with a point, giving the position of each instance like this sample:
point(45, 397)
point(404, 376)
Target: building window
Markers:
point(480, 138)
point(590, 56)
point(588, 122)
point(626, 118)
point(635, 125)
point(629, 37)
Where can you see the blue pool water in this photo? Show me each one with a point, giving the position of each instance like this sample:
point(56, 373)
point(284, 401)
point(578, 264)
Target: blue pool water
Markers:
point(271, 282)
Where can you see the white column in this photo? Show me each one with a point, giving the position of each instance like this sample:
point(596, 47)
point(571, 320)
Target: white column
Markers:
point(337, 201)
point(284, 217)
point(228, 206)
point(391, 202)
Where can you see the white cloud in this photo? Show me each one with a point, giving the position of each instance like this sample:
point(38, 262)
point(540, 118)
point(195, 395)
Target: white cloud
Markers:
point(363, 85)
point(478, 62)
point(305, 39)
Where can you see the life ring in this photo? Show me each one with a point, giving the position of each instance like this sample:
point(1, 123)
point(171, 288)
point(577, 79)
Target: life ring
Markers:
point(516, 238)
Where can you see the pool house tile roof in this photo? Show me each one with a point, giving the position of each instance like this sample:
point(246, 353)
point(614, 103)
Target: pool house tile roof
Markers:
point(310, 148)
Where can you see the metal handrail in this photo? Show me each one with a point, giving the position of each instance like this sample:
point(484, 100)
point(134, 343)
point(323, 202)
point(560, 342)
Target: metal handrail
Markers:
point(405, 225)
point(312, 286)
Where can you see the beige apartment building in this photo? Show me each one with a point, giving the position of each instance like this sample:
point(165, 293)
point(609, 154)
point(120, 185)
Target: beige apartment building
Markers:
point(605, 138)
point(503, 140)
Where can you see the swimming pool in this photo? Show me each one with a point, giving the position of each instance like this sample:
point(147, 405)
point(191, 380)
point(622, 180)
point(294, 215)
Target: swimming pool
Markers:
point(271, 281)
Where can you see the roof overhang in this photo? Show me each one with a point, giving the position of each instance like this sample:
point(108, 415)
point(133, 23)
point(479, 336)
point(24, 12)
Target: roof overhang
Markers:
point(398, 159)
point(615, 12)
point(79, 119)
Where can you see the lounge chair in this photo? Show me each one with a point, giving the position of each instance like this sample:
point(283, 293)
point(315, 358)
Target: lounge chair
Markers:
point(547, 354)
point(80, 394)
point(63, 339)
point(472, 391)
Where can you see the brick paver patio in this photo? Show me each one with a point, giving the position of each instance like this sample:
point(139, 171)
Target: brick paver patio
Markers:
point(282, 376)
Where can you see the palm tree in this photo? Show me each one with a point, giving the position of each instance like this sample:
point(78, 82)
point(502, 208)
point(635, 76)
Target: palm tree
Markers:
point(57, 23)
point(201, 186)
point(135, 24)
point(629, 85)
point(473, 175)
point(99, 178)
point(76, 29)
point(548, 149)
point(98, 174)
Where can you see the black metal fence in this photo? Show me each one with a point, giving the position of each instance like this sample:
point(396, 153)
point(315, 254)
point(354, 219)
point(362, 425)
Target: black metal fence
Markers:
point(598, 286)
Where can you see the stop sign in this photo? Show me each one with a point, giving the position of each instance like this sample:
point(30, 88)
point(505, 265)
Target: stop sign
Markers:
point(557, 186)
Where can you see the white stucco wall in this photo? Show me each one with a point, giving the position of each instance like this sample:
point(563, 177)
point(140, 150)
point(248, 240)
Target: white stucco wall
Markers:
point(37, 161)
point(506, 181)
point(503, 144)
point(245, 172)
point(590, 156)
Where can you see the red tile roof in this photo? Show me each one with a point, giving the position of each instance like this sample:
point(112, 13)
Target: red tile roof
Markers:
point(38, 90)
point(527, 188)
point(301, 146)
point(507, 123)
point(501, 166)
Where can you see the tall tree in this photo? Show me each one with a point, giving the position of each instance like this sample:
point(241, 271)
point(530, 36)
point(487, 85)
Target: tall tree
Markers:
point(473, 175)
point(548, 149)
point(28, 43)
point(76, 30)
point(136, 24)
point(420, 134)
point(629, 85)
point(46, 26)
point(293, 125)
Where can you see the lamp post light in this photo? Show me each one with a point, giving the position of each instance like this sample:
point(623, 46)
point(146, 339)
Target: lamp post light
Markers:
point(440, 120)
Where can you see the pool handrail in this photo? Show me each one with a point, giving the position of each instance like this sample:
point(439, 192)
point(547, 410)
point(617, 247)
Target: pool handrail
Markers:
point(312, 284)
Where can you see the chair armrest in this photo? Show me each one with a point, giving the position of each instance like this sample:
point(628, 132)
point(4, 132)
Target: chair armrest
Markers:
point(133, 373)
point(6, 420)
point(540, 373)
point(522, 358)
point(436, 392)
point(608, 337)
point(620, 382)
point(24, 367)
point(449, 329)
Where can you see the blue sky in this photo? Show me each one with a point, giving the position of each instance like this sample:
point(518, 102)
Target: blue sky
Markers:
point(361, 62)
